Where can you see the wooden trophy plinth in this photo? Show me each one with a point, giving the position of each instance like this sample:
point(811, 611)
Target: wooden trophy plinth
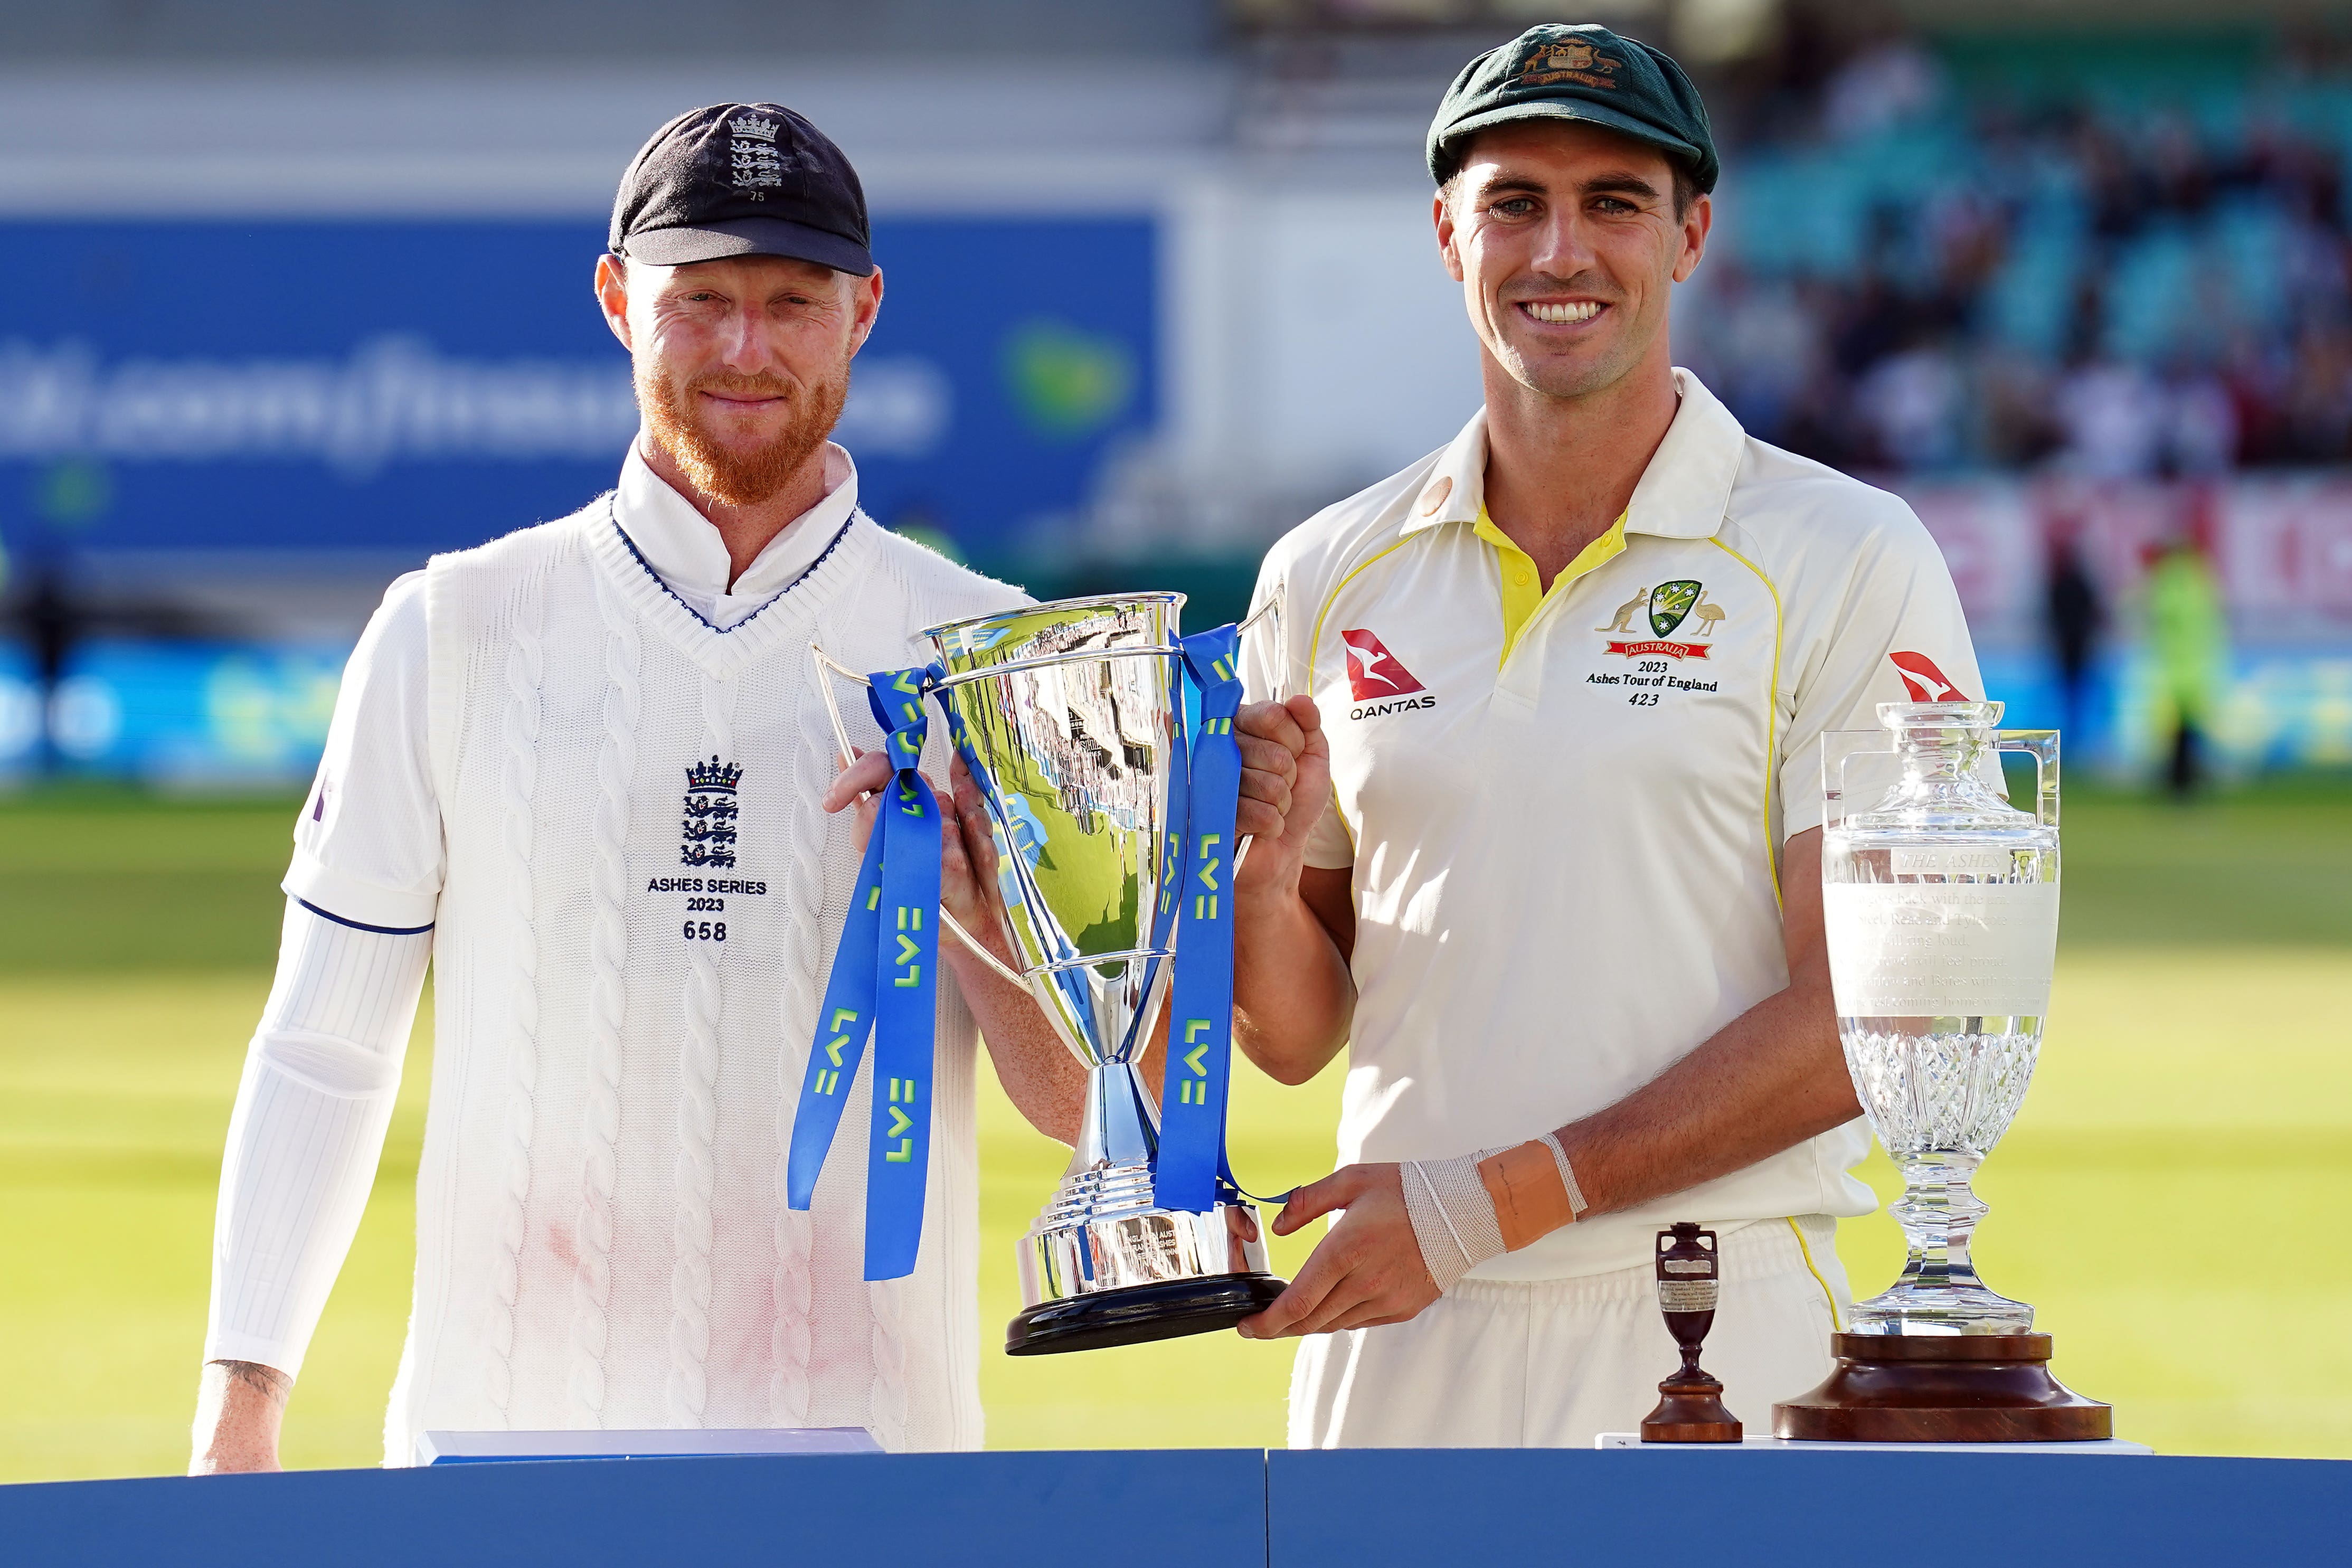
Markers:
point(1946, 1388)
point(1690, 1413)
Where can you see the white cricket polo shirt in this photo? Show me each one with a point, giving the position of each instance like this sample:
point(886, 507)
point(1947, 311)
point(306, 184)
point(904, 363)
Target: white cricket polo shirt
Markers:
point(1564, 857)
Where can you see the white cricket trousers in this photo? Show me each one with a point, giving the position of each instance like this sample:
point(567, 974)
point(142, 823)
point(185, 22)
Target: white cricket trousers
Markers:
point(1552, 1363)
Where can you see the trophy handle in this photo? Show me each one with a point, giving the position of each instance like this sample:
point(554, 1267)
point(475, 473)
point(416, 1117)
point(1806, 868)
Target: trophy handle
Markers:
point(2042, 745)
point(1278, 666)
point(1840, 747)
point(828, 665)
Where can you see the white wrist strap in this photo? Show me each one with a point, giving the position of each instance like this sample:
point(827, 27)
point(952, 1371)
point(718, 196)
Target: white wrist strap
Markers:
point(1453, 1215)
point(1453, 1218)
point(1576, 1204)
point(1421, 1176)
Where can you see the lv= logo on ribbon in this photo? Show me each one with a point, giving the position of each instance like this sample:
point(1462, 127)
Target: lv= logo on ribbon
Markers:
point(884, 984)
point(1193, 1172)
point(886, 990)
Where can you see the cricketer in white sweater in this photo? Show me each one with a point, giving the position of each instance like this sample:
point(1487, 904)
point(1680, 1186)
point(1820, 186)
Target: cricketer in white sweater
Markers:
point(626, 992)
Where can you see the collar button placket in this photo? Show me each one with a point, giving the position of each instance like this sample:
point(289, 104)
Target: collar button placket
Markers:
point(1519, 685)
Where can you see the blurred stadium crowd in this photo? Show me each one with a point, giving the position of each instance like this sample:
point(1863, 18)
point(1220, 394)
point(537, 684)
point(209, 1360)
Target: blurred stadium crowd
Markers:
point(1925, 274)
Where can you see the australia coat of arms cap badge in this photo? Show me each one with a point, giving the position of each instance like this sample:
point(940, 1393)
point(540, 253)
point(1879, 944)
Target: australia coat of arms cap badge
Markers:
point(1578, 61)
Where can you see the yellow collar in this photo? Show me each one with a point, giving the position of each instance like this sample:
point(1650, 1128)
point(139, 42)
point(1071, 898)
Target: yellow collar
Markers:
point(1521, 598)
point(1685, 493)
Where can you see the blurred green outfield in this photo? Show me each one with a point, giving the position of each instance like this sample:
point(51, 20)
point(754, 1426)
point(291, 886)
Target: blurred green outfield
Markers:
point(2180, 1166)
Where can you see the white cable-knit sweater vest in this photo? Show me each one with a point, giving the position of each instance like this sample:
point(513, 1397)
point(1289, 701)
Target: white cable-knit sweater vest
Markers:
point(641, 903)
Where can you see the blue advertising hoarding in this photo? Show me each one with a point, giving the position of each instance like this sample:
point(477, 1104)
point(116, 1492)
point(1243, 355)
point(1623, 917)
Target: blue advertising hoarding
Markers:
point(409, 386)
point(187, 712)
point(399, 387)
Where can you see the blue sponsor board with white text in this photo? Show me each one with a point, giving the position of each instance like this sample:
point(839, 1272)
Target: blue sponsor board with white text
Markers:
point(412, 386)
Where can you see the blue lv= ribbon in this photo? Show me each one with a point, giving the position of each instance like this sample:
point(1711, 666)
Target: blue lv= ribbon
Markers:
point(885, 991)
point(1192, 1173)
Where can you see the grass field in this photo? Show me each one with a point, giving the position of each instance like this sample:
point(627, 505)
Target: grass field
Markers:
point(2181, 1167)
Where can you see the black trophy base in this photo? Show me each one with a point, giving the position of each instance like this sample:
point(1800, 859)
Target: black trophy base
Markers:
point(1140, 1313)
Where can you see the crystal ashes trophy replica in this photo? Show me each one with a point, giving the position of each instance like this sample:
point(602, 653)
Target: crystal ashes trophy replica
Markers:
point(1940, 904)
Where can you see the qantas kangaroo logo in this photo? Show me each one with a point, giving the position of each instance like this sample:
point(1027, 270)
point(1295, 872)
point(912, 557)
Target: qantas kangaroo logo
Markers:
point(1924, 682)
point(1373, 671)
point(1375, 676)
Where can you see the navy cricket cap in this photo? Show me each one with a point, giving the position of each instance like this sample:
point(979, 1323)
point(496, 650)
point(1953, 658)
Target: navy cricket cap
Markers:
point(741, 179)
point(1585, 72)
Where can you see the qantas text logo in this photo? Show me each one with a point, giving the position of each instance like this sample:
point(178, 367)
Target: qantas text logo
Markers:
point(1924, 682)
point(1375, 678)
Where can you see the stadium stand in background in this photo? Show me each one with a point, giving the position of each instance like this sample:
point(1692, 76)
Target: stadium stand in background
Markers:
point(2073, 278)
point(2096, 261)
point(2080, 299)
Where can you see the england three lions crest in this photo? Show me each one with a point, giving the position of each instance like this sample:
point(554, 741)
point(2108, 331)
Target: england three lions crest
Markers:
point(754, 161)
point(710, 812)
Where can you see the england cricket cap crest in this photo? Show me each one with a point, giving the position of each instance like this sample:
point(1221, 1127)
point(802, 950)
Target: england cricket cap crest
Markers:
point(1585, 72)
point(741, 179)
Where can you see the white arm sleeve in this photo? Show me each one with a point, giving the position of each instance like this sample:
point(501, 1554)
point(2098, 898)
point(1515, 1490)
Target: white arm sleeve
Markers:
point(308, 1131)
point(312, 1109)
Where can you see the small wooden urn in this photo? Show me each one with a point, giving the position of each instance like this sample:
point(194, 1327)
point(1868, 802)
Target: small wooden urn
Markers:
point(1690, 1403)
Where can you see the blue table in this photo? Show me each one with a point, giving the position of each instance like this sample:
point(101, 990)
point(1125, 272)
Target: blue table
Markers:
point(1764, 1509)
point(1211, 1509)
point(842, 1510)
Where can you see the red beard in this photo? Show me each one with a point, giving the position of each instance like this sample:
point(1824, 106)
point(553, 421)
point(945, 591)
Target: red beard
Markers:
point(732, 474)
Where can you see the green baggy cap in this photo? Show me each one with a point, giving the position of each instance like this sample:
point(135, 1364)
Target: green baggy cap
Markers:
point(1585, 72)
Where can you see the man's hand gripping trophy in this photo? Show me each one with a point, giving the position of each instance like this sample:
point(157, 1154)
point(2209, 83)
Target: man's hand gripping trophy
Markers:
point(1368, 1269)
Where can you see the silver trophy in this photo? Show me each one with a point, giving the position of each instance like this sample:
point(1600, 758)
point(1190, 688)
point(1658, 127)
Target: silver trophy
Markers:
point(1067, 716)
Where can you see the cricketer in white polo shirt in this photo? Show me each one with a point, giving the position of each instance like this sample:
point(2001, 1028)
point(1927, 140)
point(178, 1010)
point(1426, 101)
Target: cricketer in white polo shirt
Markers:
point(1548, 860)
